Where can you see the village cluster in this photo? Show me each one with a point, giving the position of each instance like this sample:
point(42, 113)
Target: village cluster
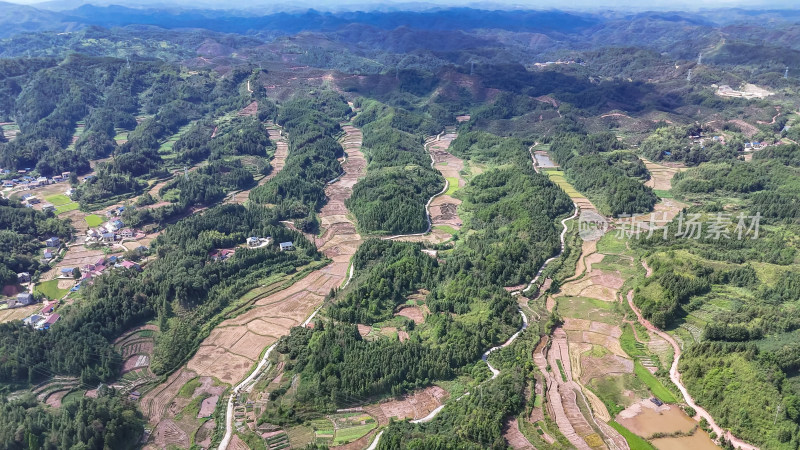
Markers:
point(27, 182)
point(701, 141)
point(107, 233)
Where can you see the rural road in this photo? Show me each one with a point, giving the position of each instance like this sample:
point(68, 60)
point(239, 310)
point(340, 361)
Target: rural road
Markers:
point(226, 439)
point(485, 356)
point(548, 261)
point(344, 183)
point(428, 142)
point(675, 376)
point(563, 232)
point(533, 158)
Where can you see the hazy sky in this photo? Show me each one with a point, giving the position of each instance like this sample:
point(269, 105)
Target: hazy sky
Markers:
point(491, 4)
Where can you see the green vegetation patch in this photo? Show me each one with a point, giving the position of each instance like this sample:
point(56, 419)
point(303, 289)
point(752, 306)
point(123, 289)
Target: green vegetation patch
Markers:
point(634, 442)
point(67, 207)
point(610, 244)
point(452, 185)
point(561, 370)
point(50, 290)
point(446, 229)
point(93, 220)
point(187, 390)
point(617, 392)
point(58, 199)
point(629, 343)
point(350, 434)
point(661, 193)
point(655, 386)
point(73, 396)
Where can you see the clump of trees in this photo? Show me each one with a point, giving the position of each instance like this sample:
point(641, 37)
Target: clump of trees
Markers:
point(392, 197)
point(672, 143)
point(22, 231)
point(312, 123)
point(94, 424)
point(612, 179)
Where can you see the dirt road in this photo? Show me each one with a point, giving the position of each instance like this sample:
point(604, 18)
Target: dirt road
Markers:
point(675, 376)
point(339, 242)
point(441, 208)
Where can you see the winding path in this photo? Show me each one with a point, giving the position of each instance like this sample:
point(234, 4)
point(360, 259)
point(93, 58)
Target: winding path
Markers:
point(339, 242)
point(548, 261)
point(452, 161)
point(675, 377)
point(485, 356)
point(428, 204)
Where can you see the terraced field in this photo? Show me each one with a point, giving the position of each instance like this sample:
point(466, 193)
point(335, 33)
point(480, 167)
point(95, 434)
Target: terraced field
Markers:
point(599, 366)
point(237, 344)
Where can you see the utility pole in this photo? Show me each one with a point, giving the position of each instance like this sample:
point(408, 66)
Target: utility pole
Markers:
point(786, 73)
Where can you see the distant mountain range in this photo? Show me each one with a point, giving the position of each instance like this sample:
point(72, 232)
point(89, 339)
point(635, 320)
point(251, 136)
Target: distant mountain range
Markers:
point(15, 19)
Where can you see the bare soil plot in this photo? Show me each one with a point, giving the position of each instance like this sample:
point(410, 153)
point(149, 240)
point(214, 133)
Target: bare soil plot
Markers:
point(339, 238)
point(169, 433)
point(364, 330)
point(174, 426)
point(55, 398)
point(153, 404)
point(415, 405)
point(562, 396)
point(514, 438)
point(237, 444)
point(14, 314)
point(749, 91)
point(207, 406)
point(414, 313)
point(598, 284)
point(79, 256)
point(660, 175)
point(249, 110)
